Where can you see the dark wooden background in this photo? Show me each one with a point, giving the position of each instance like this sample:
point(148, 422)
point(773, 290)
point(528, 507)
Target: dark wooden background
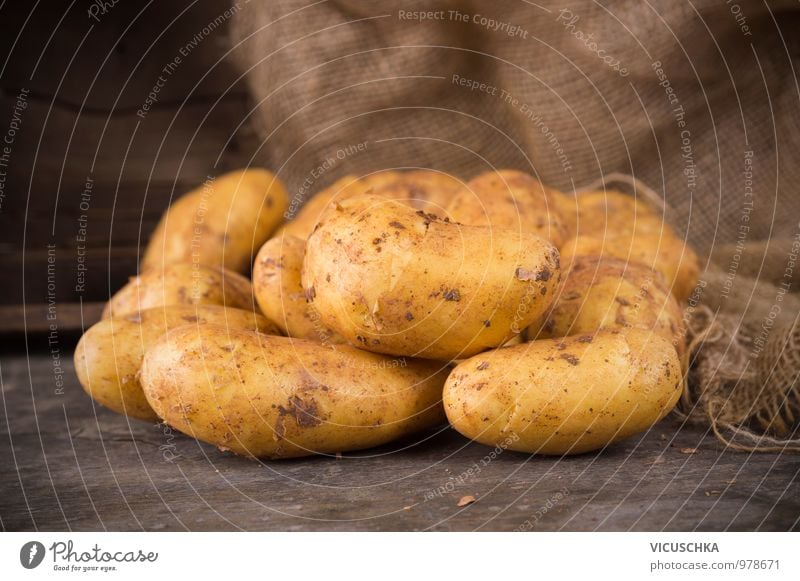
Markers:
point(70, 465)
point(86, 80)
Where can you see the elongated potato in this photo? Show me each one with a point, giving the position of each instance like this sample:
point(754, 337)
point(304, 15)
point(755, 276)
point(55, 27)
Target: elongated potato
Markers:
point(182, 284)
point(565, 396)
point(510, 199)
point(276, 397)
point(222, 223)
point(606, 293)
point(663, 252)
point(109, 354)
point(279, 291)
point(392, 280)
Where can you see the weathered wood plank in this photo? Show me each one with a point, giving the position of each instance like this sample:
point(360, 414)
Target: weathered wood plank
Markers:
point(73, 466)
point(42, 318)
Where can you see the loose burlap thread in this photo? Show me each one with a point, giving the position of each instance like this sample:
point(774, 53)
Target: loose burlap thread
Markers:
point(697, 102)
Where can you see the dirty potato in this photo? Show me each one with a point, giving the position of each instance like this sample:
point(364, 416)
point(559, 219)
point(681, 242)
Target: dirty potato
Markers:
point(392, 280)
point(601, 211)
point(302, 225)
point(426, 190)
point(222, 223)
point(279, 291)
point(276, 397)
point(421, 189)
point(109, 354)
point(510, 199)
point(565, 396)
point(662, 251)
point(181, 284)
point(606, 293)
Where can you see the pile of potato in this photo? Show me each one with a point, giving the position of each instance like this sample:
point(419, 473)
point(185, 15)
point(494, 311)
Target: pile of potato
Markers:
point(526, 318)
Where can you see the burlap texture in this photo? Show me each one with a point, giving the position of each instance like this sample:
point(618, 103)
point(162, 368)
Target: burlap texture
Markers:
point(698, 100)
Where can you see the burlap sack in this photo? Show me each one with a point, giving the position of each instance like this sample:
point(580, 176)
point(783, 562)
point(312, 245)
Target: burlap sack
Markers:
point(698, 100)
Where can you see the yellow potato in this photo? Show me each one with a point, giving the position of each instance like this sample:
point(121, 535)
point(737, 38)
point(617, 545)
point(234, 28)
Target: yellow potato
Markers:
point(612, 211)
point(392, 280)
point(302, 225)
point(510, 199)
point(182, 284)
point(222, 223)
point(424, 190)
point(565, 396)
point(109, 354)
point(279, 291)
point(277, 397)
point(567, 205)
point(606, 293)
point(665, 253)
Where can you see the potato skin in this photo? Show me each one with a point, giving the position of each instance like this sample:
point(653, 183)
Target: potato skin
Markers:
point(664, 252)
point(109, 354)
point(279, 291)
point(302, 225)
point(601, 211)
point(565, 396)
point(426, 190)
point(222, 223)
point(392, 280)
point(510, 199)
point(181, 284)
point(606, 293)
point(275, 397)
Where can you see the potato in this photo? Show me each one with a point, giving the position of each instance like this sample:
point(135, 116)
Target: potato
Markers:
point(612, 211)
point(565, 396)
point(279, 291)
point(510, 199)
point(182, 284)
point(665, 253)
point(567, 205)
point(303, 223)
point(392, 280)
point(425, 190)
point(606, 293)
point(109, 354)
point(221, 224)
point(276, 397)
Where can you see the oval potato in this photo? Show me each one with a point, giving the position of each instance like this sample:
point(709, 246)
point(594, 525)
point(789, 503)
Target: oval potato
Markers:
point(426, 190)
point(606, 293)
point(222, 223)
point(510, 199)
point(109, 354)
point(392, 280)
point(601, 211)
point(565, 396)
point(181, 284)
point(279, 290)
point(663, 252)
point(276, 397)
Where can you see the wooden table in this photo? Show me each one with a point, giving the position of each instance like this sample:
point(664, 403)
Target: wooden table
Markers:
point(71, 465)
